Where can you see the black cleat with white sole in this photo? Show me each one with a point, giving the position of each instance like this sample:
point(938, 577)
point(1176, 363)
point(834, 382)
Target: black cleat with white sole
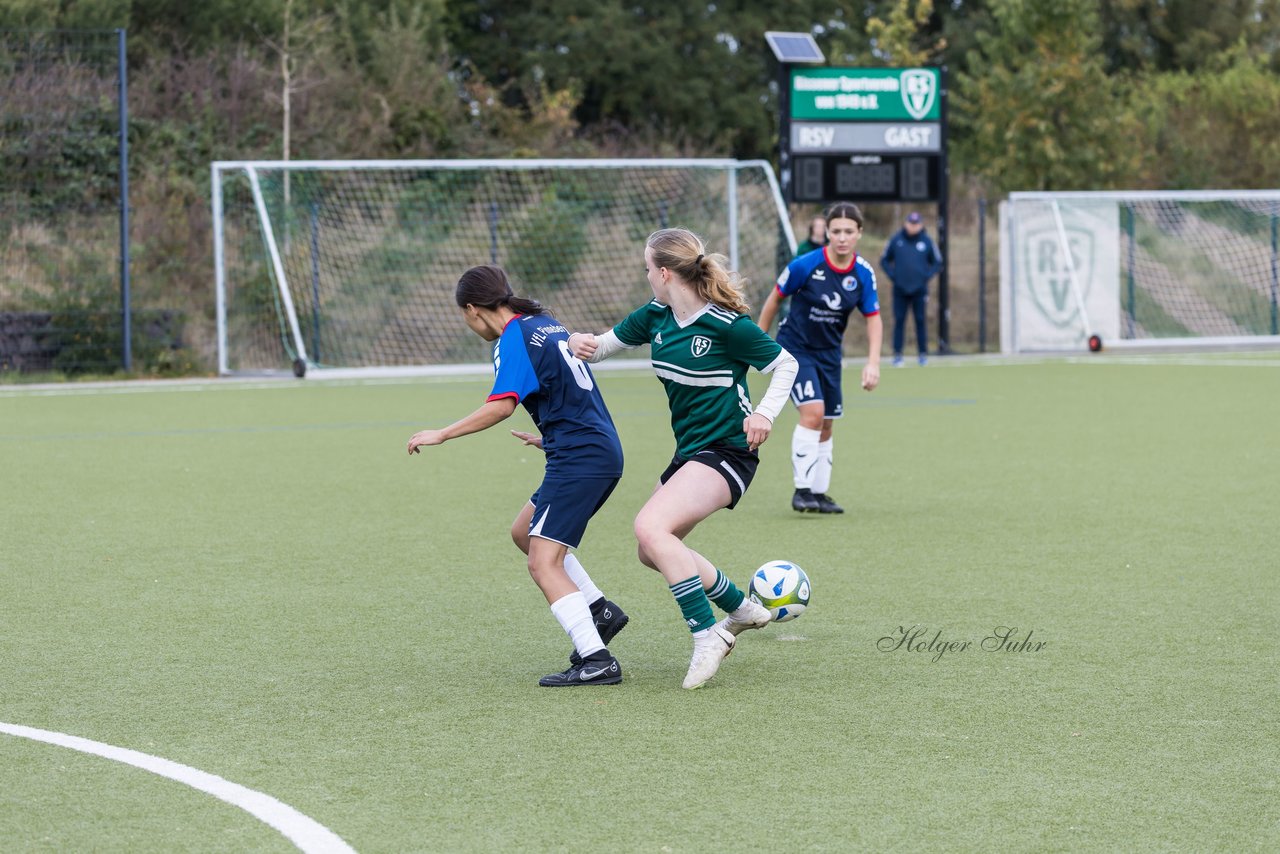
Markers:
point(592, 671)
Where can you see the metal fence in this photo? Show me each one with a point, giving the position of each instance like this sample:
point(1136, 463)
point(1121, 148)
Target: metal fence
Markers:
point(64, 212)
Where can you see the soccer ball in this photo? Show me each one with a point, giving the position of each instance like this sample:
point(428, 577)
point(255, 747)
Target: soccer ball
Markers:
point(782, 587)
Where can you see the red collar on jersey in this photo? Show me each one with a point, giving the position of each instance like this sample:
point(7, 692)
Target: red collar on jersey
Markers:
point(826, 254)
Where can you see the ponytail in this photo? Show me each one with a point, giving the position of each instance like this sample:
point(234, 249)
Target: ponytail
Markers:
point(487, 287)
point(526, 305)
point(682, 252)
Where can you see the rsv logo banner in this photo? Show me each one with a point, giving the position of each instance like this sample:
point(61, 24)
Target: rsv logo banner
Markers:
point(919, 89)
point(1047, 303)
point(1050, 276)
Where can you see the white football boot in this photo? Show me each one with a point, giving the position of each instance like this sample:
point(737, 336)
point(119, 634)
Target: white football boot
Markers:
point(749, 615)
point(708, 651)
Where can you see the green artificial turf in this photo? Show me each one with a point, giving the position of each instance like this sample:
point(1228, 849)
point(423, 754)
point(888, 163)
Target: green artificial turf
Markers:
point(257, 581)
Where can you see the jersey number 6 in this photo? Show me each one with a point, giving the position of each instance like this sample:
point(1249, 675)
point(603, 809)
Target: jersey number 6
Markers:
point(580, 373)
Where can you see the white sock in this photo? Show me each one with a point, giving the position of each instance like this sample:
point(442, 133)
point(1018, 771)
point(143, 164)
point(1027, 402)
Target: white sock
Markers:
point(822, 468)
point(804, 454)
point(578, 575)
point(575, 617)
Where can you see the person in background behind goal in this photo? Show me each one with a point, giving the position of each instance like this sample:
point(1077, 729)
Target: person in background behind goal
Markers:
point(534, 367)
point(703, 342)
point(817, 237)
point(910, 260)
point(826, 286)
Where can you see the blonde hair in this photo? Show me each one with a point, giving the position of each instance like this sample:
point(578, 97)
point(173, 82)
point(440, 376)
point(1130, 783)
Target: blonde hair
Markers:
point(683, 253)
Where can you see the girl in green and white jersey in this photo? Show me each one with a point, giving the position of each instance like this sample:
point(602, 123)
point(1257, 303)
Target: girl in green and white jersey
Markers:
point(703, 342)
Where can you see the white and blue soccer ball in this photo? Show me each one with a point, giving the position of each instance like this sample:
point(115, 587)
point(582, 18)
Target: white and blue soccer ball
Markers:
point(782, 587)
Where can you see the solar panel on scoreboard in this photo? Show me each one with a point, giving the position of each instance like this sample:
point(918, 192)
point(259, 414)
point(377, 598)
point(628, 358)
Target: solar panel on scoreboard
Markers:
point(794, 47)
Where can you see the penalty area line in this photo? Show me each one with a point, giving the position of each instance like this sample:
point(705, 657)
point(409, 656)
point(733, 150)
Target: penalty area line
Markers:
point(306, 833)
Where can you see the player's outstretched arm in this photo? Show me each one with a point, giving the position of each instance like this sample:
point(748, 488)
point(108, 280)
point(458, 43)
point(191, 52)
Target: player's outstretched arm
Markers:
point(482, 419)
point(595, 348)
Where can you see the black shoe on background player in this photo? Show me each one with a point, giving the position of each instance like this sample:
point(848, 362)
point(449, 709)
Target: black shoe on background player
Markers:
point(804, 501)
point(826, 504)
point(600, 668)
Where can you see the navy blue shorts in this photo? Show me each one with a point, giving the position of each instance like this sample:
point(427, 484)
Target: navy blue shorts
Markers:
point(736, 465)
point(563, 506)
point(818, 382)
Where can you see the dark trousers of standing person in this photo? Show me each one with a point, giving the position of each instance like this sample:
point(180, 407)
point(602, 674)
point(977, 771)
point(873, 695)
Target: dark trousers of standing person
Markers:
point(917, 302)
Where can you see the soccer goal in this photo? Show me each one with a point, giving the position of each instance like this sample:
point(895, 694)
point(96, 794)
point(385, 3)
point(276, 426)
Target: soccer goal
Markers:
point(1167, 270)
point(327, 266)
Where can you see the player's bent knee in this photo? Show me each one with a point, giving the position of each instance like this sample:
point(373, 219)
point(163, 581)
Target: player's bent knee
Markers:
point(540, 571)
point(520, 536)
point(647, 532)
point(643, 557)
point(811, 421)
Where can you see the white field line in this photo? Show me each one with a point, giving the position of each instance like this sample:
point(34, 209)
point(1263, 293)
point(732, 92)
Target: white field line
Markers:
point(469, 373)
point(327, 378)
point(306, 833)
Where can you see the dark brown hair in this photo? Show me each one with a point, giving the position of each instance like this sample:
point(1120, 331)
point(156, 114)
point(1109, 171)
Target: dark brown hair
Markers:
point(487, 287)
point(844, 210)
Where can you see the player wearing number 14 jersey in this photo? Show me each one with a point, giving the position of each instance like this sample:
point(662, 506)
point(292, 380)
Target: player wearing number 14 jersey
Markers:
point(534, 367)
point(702, 344)
point(825, 286)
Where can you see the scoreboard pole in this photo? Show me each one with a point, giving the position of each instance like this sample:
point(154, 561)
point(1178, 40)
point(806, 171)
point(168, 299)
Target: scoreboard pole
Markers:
point(944, 184)
point(784, 132)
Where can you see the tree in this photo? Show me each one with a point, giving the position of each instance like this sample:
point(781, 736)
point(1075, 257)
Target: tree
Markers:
point(897, 35)
point(1188, 35)
point(699, 74)
point(66, 15)
point(1043, 114)
point(1215, 128)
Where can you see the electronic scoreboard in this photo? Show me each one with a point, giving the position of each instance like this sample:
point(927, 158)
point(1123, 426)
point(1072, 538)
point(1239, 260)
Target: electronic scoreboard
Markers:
point(864, 134)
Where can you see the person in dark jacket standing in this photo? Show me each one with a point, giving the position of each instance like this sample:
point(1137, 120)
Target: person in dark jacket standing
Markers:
point(910, 260)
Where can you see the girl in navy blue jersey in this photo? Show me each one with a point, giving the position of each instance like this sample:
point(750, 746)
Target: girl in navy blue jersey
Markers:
point(825, 285)
point(534, 367)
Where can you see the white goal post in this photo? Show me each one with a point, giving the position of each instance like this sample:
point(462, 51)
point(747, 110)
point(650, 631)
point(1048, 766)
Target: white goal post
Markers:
point(1142, 269)
point(350, 266)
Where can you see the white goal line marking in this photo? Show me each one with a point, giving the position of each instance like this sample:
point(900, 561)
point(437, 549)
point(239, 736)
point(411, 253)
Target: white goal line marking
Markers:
point(306, 833)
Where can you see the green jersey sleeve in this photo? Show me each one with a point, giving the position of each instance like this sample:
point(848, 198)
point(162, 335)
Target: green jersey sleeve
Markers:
point(751, 344)
point(633, 330)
